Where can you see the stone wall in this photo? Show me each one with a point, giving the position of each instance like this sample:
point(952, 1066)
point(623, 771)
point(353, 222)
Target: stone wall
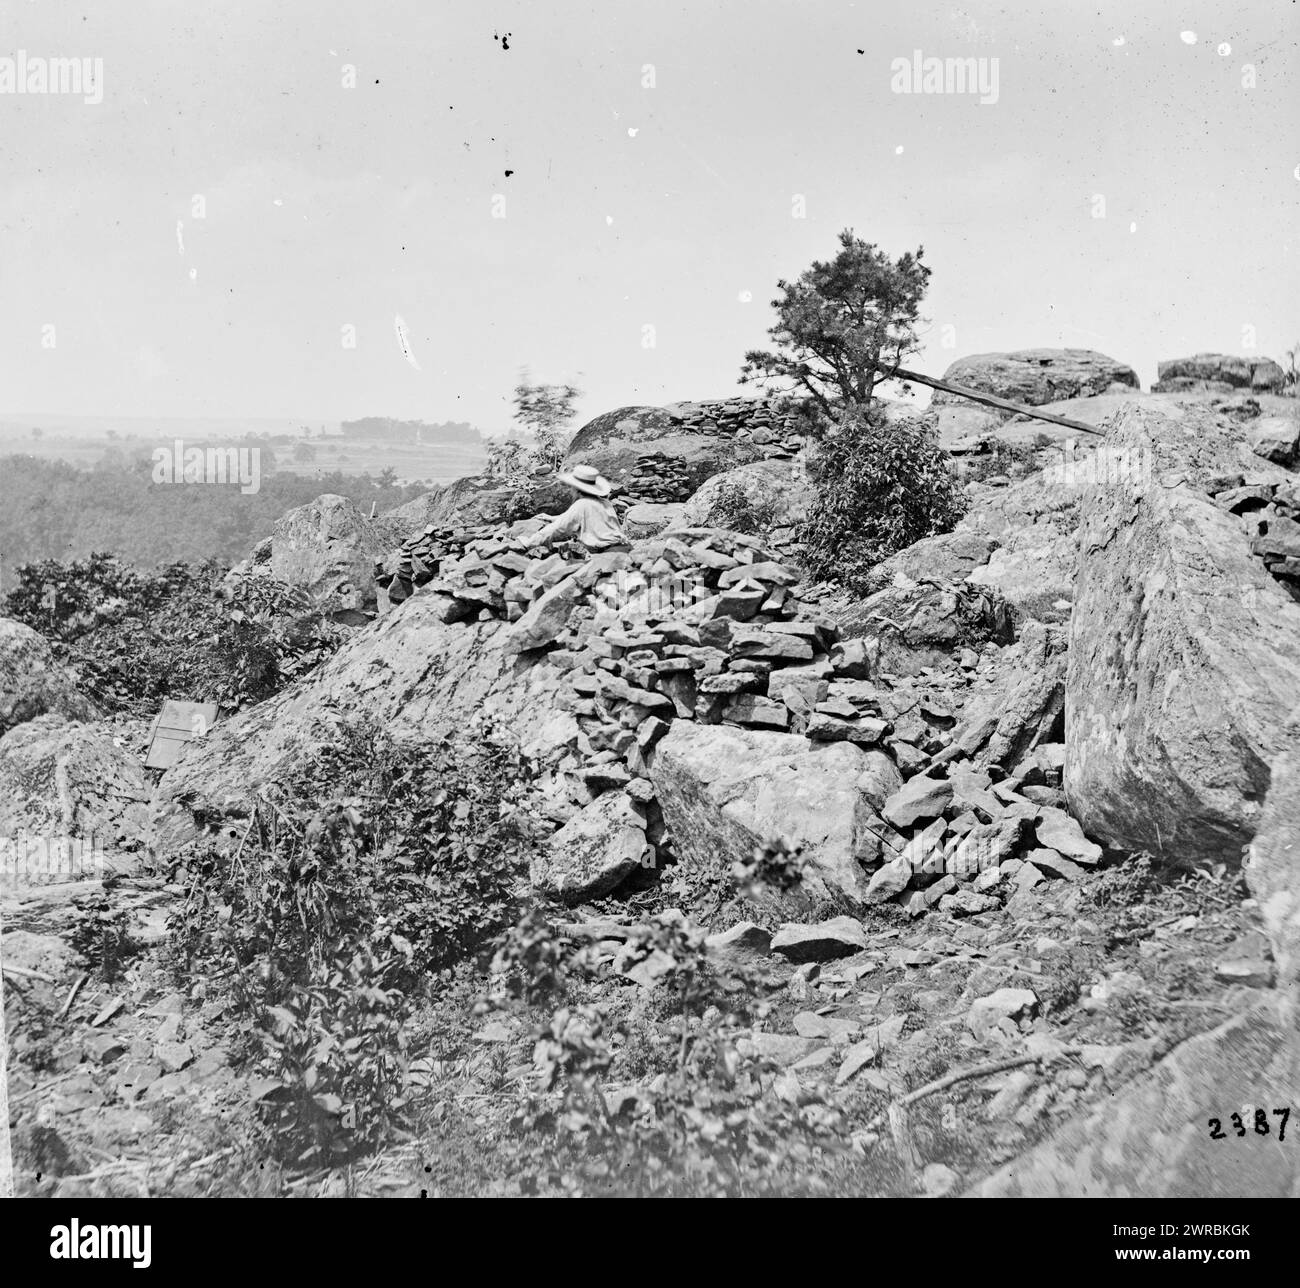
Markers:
point(751, 420)
point(661, 455)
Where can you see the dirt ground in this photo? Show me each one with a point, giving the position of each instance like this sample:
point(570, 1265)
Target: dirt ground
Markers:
point(125, 1077)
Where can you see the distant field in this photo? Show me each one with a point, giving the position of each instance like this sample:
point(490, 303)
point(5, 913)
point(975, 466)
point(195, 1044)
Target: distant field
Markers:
point(436, 464)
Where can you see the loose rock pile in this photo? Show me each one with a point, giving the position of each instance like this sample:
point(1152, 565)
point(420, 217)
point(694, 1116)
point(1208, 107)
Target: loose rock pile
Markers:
point(1271, 514)
point(660, 477)
point(656, 479)
point(472, 568)
point(751, 420)
point(704, 625)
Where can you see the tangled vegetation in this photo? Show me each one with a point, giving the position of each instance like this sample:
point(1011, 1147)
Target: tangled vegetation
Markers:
point(133, 639)
point(368, 889)
point(543, 411)
point(880, 486)
point(677, 1102)
point(736, 510)
point(354, 883)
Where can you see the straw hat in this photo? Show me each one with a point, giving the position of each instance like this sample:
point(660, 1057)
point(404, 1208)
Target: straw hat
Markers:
point(588, 479)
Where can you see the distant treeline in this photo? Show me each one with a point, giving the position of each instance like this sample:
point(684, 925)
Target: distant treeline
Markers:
point(52, 510)
point(412, 431)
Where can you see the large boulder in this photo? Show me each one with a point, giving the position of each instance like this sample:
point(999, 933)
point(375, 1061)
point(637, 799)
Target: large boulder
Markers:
point(473, 500)
point(593, 852)
point(1218, 373)
point(32, 683)
point(777, 490)
point(66, 782)
point(649, 519)
point(725, 790)
point(951, 556)
point(419, 676)
point(1034, 522)
point(1022, 706)
point(1277, 439)
point(1031, 529)
point(1037, 376)
point(626, 445)
point(1184, 651)
point(327, 548)
point(1273, 871)
point(1153, 1139)
point(917, 624)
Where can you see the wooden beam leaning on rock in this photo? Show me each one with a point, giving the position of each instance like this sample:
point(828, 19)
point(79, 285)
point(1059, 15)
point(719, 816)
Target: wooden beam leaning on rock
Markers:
point(991, 400)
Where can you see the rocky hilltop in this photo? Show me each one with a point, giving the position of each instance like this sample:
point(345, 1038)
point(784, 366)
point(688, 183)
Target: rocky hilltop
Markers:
point(982, 763)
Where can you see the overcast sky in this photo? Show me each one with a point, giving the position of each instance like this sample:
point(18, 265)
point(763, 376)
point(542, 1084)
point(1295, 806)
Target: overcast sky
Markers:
point(629, 205)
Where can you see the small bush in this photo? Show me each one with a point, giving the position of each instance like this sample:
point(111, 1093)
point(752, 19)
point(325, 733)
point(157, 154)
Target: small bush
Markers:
point(735, 510)
point(880, 487)
point(704, 1117)
point(513, 461)
point(355, 880)
point(133, 639)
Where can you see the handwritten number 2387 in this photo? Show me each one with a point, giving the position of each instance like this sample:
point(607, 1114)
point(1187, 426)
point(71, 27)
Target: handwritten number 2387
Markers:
point(1260, 1124)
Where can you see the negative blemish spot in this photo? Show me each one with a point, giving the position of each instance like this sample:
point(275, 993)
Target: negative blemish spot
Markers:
point(745, 296)
point(1119, 40)
point(1187, 37)
point(898, 151)
point(631, 133)
point(1225, 49)
point(403, 342)
point(1132, 228)
point(609, 219)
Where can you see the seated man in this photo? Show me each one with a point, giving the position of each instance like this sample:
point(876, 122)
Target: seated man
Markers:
point(589, 525)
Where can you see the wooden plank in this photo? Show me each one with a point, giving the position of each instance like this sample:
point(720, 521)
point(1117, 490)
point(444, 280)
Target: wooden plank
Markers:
point(173, 727)
point(164, 752)
point(992, 400)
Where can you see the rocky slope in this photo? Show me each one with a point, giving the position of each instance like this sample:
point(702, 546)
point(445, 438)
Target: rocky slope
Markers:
point(1100, 663)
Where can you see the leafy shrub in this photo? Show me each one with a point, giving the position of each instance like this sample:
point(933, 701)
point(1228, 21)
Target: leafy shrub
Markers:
point(774, 865)
point(880, 487)
point(734, 509)
point(338, 1050)
point(709, 1120)
point(101, 936)
point(355, 878)
point(133, 639)
point(514, 461)
point(709, 1124)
